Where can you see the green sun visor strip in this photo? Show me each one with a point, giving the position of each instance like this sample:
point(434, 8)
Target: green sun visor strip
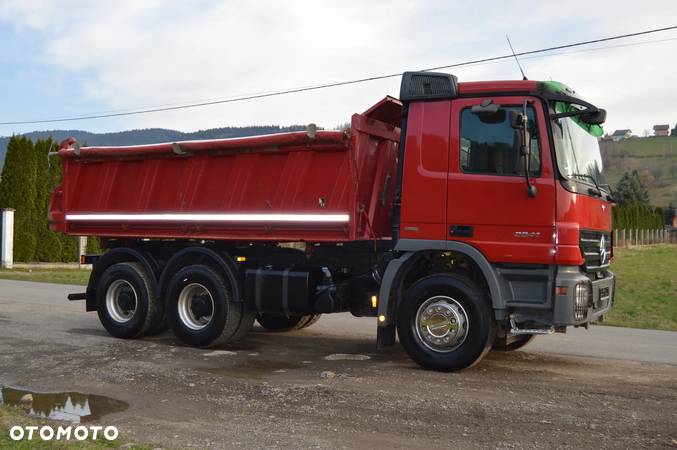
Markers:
point(561, 107)
point(595, 130)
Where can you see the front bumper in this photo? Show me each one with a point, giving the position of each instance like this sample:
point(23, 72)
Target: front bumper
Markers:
point(600, 298)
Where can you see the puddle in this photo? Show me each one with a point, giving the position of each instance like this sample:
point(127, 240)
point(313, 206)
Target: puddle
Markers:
point(66, 406)
point(254, 369)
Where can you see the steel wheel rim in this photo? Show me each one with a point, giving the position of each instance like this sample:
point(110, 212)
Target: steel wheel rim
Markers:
point(119, 307)
point(441, 324)
point(188, 309)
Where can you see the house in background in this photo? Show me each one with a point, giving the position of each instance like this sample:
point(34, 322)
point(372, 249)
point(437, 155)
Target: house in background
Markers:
point(619, 135)
point(661, 130)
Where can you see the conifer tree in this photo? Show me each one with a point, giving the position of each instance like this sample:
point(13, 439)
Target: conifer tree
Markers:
point(69, 244)
point(630, 190)
point(18, 191)
point(49, 244)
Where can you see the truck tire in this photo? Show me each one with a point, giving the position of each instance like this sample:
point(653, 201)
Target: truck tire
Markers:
point(246, 323)
point(200, 308)
point(502, 345)
point(124, 301)
point(280, 322)
point(445, 323)
point(161, 326)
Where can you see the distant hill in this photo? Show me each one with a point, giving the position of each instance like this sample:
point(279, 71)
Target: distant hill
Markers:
point(148, 136)
point(655, 158)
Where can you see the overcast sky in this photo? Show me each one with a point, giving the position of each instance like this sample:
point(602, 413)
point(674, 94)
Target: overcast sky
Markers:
point(72, 57)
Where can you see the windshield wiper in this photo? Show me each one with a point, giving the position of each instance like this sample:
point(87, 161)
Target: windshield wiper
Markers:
point(610, 194)
point(597, 190)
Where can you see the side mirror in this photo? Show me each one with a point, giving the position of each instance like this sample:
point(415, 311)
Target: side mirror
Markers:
point(597, 117)
point(519, 121)
point(522, 140)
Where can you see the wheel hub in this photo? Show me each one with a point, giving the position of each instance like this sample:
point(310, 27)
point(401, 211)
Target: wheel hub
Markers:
point(201, 306)
point(121, 301)
point(126, 300)
point(441, 323)
point(195, 306)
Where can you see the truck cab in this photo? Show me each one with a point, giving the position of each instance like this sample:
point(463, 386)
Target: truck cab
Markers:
point(523, 208)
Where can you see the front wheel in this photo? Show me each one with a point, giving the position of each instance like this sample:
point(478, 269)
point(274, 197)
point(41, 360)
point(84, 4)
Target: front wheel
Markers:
point(445, 323)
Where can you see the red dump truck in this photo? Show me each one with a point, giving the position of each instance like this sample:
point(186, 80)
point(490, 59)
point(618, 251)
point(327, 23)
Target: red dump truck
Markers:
point(463, 216)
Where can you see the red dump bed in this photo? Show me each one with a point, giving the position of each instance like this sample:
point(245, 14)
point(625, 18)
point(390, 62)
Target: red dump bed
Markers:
point(309, 186)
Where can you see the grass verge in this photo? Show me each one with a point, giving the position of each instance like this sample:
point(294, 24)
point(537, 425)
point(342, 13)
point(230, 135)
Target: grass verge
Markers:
point(59, 276)
point(11, 416)
point(646, 288)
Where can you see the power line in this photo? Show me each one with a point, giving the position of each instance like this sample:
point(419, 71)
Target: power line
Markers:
point(530, 57)
point(585, 50)
point(336, 84)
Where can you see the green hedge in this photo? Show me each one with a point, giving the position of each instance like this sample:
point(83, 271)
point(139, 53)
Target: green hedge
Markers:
point(18, 190)
point(27, 183)
point(636, 216)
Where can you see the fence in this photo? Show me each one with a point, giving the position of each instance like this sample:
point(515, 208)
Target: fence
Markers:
point(633, 237)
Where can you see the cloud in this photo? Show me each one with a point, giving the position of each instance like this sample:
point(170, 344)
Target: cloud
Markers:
point(143, 53)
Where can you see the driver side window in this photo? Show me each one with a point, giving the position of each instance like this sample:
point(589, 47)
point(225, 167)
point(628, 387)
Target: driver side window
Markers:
point(488, 144)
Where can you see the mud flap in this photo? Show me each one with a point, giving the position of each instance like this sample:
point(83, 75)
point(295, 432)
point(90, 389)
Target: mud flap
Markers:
point(385, 337)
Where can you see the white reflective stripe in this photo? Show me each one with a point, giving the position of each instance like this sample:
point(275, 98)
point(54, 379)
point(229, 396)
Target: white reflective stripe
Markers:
point(178, 217)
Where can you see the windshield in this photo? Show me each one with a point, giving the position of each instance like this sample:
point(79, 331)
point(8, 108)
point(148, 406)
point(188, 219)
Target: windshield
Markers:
point(577, 148)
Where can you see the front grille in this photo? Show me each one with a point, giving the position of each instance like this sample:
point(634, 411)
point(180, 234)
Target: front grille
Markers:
point(596, 249)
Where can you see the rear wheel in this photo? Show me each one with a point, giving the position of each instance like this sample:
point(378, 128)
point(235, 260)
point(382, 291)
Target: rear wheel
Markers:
point(160, 327)
point(444, 323)
point(280, 322)
point(200, 308)
point(246, 323)
point(125, 302)
point(506, 344)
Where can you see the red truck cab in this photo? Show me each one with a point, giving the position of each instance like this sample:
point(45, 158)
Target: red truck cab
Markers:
point(542, 253)
point(464, 216)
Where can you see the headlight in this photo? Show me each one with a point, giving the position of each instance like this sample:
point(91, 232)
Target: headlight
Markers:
point(582, 300)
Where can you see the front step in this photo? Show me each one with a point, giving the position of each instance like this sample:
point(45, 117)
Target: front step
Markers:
point(516, 331)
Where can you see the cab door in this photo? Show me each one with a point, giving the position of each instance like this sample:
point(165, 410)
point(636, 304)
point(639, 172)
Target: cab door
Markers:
point(488, 204)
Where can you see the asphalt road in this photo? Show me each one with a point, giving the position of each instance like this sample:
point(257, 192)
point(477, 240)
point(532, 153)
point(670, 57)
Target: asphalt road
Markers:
point(604, 387)
point(605, 342)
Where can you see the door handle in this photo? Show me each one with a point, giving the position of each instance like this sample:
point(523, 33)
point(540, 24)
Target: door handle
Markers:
point(461, 230)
